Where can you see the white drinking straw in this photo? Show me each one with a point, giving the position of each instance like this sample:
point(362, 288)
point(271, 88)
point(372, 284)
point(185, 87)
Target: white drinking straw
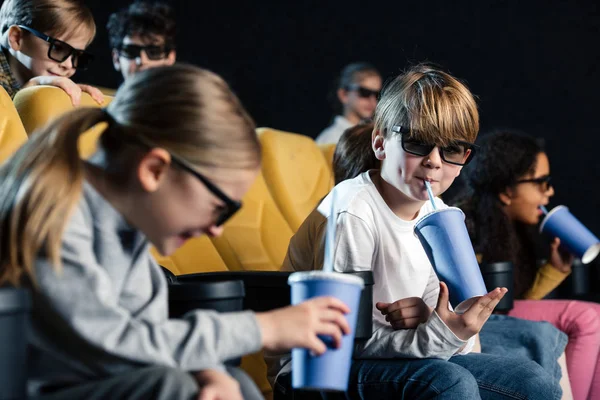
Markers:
point(430, 193)
point(330, 236)
point(544, 210)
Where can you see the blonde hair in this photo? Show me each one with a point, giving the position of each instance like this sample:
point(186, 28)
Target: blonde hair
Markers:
point(187, 111)
point(435, 106)
point(52, 17)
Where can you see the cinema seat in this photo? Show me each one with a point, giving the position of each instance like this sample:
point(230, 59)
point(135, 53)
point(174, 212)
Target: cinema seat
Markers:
point(257, 237)
point(38, 105)
point(328, 150)
point(296, 173)
point(12, 132)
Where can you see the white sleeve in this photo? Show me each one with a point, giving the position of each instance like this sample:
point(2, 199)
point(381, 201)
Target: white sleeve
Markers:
point(432, 339)
point(432, 290)
point(468, 347)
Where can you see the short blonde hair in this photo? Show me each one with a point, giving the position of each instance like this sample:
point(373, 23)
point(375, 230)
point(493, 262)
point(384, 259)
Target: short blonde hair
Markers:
point(435, 106)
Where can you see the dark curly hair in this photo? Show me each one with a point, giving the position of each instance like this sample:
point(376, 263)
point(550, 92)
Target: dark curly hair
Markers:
point(504, 157)
point(144, 19)
point(353, 153)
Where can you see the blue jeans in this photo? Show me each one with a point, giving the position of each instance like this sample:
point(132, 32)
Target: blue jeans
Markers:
point(537, 341)
point(472, 376)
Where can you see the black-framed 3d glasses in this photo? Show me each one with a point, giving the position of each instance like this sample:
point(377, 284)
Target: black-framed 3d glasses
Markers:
point(59, 51)
point(231, 206)
point(153, 52)
point(458, 152)
point(544, 182)
point(363, 91)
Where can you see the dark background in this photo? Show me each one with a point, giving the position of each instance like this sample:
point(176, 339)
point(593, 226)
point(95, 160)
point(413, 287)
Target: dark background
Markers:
point(532, 64)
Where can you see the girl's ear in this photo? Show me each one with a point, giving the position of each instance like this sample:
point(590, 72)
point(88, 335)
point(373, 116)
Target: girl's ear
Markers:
point(378, 144)
point(171, 57)
point(15, 37)
point(506, 196)
point(342, 95)
point(152, 169)
point(115, 60)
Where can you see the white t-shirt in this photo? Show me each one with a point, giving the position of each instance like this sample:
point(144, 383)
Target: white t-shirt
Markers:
point(333, 133)
point(371, 237)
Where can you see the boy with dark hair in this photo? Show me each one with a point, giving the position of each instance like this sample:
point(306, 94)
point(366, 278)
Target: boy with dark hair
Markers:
point(142, 36)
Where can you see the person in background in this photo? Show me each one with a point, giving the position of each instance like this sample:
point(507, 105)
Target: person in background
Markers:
point(43, 42)
point(142, 36)
point(507, 183)
point(355, 99)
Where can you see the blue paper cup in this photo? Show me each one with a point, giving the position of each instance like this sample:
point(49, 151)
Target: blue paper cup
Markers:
point(573, 235)
point(331, 370)
point(444, 237)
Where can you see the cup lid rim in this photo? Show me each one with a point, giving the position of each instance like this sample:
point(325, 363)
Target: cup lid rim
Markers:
point(549, 214)
point(452, 208)
point(591, 253)
point(322, 275)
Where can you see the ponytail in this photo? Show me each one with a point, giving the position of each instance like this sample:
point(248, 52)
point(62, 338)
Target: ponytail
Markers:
point(39, 188)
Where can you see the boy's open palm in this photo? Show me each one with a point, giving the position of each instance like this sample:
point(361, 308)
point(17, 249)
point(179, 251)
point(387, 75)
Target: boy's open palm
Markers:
point(470, 323)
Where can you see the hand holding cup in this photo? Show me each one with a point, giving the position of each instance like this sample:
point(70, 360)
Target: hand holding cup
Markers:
point(559, 258)
point(299, 326)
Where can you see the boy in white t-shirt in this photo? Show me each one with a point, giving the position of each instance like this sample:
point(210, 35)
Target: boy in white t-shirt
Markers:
point(425, 124)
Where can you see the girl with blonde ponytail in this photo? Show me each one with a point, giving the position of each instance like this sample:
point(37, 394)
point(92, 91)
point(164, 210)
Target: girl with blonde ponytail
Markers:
point(177, 156)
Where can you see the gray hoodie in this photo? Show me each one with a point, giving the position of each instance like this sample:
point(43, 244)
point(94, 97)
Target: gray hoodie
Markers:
point(106, 312)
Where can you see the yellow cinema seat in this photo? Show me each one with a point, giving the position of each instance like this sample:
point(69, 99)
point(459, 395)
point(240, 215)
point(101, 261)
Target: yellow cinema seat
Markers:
point(328, 150)
point(257, 237)
point(296, 173)
point(38, 105)
point(12, 133)
point(107, 91)
point(197, 255)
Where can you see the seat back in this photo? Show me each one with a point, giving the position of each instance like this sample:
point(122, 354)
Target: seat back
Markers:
point(197, 255)
point(257, 237)
point(296, 173)
point(12, 132)
point(328, 150)
point(38, 105)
